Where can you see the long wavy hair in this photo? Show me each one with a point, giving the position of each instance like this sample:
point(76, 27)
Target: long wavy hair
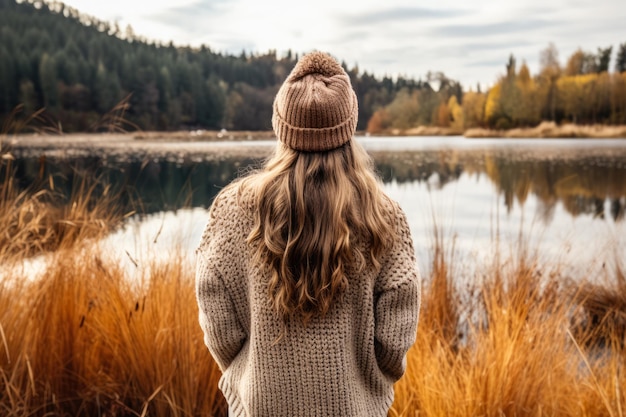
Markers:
point(312, 207)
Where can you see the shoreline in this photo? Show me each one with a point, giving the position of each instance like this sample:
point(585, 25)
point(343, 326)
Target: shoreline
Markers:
point(181, 147)
point(545, 130)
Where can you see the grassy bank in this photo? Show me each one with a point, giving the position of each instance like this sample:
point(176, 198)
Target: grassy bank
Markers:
point(519, 339)
point(551, 130)
point(543, 130)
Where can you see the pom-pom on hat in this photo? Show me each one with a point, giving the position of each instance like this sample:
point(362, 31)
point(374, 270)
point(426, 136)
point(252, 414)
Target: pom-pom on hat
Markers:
point(316, 108)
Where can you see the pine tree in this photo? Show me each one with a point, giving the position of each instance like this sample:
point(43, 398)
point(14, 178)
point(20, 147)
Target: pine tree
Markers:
point(604, 58)
point(620, 60)
point(48, 81)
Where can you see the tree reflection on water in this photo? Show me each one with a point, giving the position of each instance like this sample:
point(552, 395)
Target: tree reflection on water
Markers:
point(582, 183)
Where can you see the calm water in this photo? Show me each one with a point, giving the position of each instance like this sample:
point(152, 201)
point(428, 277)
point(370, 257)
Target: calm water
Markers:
point(565, 198)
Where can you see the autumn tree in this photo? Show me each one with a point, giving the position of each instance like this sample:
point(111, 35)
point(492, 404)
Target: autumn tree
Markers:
point(575, 63)
point(379, 122)
point(549, 72)
point(618, 98)
point(582, 98)
point(493, 108)
point(527, 112)
point(510, 97)
point(456, 114)
point(570, 90)
point(581, 62)
point(404, 110)
point(473, 109)
point(600, 98)
point(443, 116)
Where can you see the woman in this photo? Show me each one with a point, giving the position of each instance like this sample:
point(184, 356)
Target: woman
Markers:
point(306, 280)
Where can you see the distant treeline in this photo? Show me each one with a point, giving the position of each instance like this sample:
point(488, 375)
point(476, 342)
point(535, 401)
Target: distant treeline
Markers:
point(582, 92)
point(90, 75)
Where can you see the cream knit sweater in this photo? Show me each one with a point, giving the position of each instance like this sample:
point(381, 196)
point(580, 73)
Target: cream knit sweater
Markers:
point(344, 364)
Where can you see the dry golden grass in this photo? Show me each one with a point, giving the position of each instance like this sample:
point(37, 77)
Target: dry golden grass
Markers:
point(85, 340)
point(39, 219)
point(527, 347)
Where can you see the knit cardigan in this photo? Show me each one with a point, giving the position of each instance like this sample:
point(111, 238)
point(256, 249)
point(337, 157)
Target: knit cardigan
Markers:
point(342, 364)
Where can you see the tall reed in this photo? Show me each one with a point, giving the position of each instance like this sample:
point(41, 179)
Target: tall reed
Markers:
point(85, 340)
point(522, 349)
point(39, 219)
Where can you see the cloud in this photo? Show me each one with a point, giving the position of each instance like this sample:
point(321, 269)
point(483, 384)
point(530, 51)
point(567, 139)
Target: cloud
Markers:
point(400, 13)
point(194, 17)
point(490, 46)
point(506, 27)
point(486, 63)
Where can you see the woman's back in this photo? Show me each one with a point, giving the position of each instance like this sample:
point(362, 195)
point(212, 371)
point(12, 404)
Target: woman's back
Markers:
point(306, 281)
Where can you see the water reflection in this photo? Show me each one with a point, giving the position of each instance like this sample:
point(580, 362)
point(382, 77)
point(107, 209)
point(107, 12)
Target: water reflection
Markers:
point(148, 185)
point(584, 185)
point(581, 183)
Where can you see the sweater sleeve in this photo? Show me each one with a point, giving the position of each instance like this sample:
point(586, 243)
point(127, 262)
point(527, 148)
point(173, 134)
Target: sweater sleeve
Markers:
point(397, 303)
point(224, 334)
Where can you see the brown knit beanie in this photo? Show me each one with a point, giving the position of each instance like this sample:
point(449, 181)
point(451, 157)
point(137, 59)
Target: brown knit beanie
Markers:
point(316, 108)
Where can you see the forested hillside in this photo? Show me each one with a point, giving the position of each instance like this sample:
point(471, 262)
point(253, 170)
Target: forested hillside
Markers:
point(79, 68)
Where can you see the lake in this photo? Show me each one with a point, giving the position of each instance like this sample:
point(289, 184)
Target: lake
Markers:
point(562, 199)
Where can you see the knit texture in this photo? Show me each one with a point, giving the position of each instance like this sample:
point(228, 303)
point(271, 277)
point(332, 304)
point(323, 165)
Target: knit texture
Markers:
point(342, 364)
point(316, 108)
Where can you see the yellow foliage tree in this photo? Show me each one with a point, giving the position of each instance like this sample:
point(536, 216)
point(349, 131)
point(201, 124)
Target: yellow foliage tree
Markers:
point(456, 113)
point(473, 109)
point(523, 76)
point(528, 110)
point(492, 105)
point(574, 96)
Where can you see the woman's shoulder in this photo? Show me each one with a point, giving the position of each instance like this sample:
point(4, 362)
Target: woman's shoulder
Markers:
point(229, 217)
point(392, 211)
point(234, 200)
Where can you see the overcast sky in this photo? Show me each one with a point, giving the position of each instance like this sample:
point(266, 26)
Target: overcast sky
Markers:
point(469, 41)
